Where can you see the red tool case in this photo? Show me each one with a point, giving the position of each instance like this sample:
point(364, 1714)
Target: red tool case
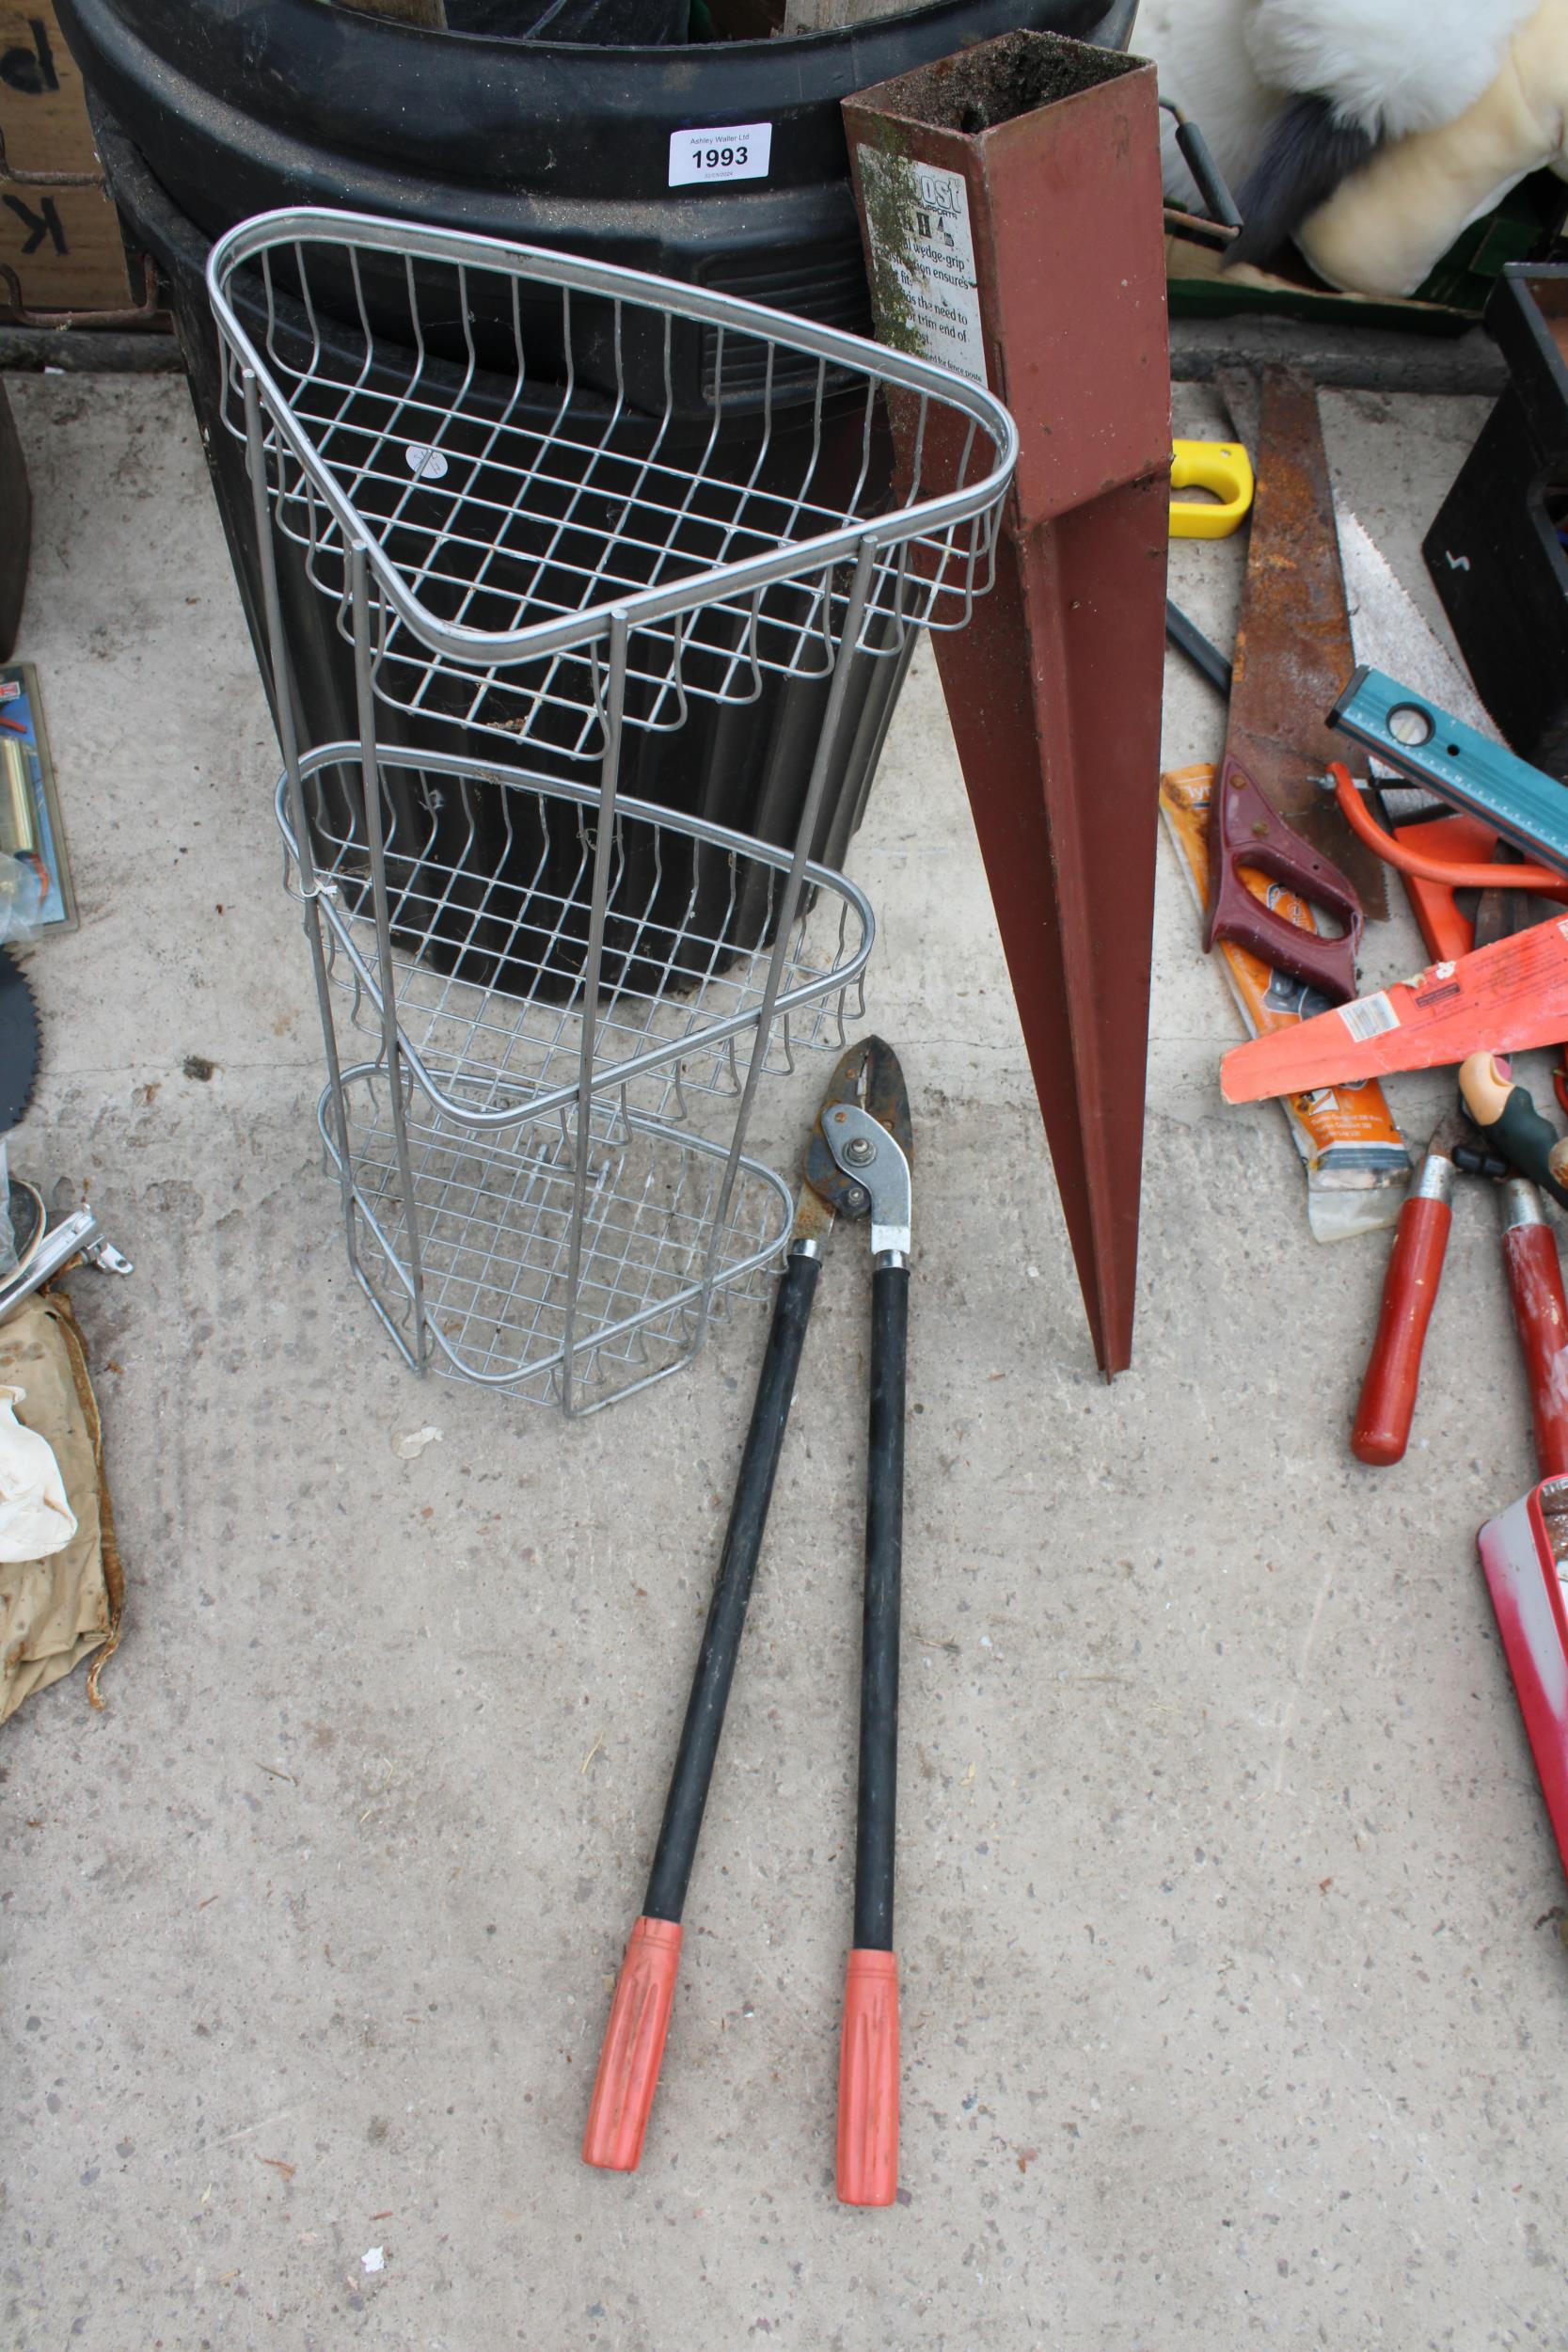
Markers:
point(1522, 1552)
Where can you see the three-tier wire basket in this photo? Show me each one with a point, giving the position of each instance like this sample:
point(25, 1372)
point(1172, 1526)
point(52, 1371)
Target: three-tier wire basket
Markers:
point(560, 511)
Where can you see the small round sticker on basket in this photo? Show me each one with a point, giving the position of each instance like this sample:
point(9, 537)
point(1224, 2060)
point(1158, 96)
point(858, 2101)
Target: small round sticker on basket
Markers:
point(425, 465)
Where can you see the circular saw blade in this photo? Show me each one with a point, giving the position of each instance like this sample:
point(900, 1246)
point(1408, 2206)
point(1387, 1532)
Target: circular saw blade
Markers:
point(19, 1042)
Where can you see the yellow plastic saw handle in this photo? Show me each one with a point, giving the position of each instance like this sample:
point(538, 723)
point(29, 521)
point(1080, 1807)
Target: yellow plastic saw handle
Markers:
point(1222, 466)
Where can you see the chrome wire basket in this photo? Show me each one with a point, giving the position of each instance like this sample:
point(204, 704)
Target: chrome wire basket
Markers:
point(546, 1001)
point(524, 1262)
point(489, 909)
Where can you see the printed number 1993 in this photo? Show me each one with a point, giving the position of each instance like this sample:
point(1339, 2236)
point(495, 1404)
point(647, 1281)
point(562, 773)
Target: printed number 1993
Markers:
point(733, 151)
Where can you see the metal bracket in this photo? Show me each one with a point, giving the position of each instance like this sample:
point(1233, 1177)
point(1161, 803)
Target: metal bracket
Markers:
point(75, 1237)
point(14, 310)
point(871, 1158)
point(106, 1258)
point(59, 1244)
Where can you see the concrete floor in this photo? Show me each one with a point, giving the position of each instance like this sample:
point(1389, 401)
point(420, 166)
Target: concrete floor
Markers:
point(1235, 1992)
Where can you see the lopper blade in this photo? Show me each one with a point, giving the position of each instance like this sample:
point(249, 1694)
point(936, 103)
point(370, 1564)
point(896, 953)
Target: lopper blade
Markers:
point(871, 1078)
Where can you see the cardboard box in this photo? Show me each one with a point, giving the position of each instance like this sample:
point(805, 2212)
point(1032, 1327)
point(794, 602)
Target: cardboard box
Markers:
point(61, 250)
point(60, 246)
point(1451, 298)
point(43, 103)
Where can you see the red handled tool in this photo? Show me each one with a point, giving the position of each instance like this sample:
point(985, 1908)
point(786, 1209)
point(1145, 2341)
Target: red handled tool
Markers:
point(1387, 1403)
point(1382, 1417)
point(1507, 1117)
point(1541, 1318)
point(1524, 1551)
point(857, 1167)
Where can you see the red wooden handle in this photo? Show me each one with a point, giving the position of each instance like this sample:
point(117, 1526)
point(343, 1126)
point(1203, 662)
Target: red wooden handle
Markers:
point(1384, 1415)
point(1541, 1314)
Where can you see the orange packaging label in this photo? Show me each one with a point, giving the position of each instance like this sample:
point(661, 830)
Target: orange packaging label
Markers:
point(1501, 999)
point(1346, 1134)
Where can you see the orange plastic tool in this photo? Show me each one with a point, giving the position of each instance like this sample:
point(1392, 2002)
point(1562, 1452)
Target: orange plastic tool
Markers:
point(1501, 999)
point(868, 2081)
point(1541, 881)
point(1448, 932)
point(633, 2049)
point(1437, 858)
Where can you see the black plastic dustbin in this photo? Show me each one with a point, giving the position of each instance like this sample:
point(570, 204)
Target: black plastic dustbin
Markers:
point(241, 106)
point(209, 111)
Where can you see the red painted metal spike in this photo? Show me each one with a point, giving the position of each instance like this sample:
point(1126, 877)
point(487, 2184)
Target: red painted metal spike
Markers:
point(1055, 687)
point(1072, 877)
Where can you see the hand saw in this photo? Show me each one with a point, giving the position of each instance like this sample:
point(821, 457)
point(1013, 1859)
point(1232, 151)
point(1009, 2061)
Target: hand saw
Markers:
point(1293, 650)
point(1424, 845)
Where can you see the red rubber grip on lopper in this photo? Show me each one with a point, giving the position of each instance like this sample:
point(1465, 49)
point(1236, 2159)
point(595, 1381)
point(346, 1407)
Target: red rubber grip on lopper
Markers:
point(1387, 1406)
point(633, 2047)
point(1541, 1314)
point(868, 2082)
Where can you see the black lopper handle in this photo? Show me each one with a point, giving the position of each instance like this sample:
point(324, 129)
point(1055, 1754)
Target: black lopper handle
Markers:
point(726, 1617)
point(868, 2051)
point(884, 1557)
point(640, 2014)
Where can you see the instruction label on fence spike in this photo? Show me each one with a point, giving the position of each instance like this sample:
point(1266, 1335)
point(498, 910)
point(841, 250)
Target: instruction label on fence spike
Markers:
point(742, 150)
point(924, 284)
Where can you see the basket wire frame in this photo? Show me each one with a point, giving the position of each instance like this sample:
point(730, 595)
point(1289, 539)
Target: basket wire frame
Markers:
point(511, 491)
point(499, 1282)
point(553, 566)
point(487, 963)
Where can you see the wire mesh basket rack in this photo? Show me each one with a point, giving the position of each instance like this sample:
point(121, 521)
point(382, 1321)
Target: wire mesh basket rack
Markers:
point(546, 1002)
point(486, 951)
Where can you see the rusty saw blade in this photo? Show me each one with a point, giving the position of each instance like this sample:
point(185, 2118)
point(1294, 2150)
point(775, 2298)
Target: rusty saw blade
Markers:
point(1293, 650)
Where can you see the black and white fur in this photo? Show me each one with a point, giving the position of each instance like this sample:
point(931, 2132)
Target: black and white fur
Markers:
point(1294, 95)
